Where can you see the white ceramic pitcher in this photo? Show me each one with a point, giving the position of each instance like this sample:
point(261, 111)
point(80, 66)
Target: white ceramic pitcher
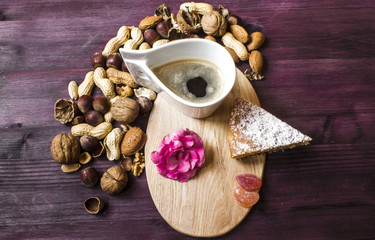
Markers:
point(140, 62)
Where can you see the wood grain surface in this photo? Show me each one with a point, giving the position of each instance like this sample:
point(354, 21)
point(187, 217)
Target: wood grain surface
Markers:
point(319, 78)
point(203, 206)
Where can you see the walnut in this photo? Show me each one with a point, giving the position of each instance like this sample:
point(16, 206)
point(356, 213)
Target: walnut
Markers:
point(138, 164)
point(125, 110)
point(65, 148)
point(65, 110)
point(114, 180)
point(214, 24)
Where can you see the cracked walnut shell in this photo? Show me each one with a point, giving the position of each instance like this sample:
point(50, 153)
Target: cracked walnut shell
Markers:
point(65, 110)
point(65, 148)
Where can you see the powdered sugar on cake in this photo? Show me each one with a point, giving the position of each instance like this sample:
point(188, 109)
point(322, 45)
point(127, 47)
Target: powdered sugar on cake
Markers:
point(253, 130)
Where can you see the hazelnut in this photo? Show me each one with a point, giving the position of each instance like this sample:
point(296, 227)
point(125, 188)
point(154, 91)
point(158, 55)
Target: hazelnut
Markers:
point(101, 105)
point(126, 164)
point(78, 119)
point(98, 60)
point(114, 60)
point(93, 205)
point(125, 110)
point(114, 180)
point(163, 28)
point(93, 118)
point(89, 176)
point(151, 36)
point(88, 143)
point(85, 103)
point(145, 104)
point(65, 148)
point(124, 68)
point(233, 19)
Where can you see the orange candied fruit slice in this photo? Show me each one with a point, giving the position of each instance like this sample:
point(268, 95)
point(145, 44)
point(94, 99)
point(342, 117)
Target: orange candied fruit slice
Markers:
point(245, 198)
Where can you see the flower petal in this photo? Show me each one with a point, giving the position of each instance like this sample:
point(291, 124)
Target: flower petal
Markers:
point(179, 155)
point(172, 162)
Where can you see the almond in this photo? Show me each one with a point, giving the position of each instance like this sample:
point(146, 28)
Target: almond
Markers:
point(256, 41)
point(233, 54)
point(133, 141)
point(149, 22)
point(239, 33)
point(256, 61)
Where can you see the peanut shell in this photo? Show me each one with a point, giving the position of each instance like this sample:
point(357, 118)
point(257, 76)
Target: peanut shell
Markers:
point(73, 90)
point(233, 54)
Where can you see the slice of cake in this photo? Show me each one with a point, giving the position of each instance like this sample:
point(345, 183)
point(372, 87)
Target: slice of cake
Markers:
point(252, 130)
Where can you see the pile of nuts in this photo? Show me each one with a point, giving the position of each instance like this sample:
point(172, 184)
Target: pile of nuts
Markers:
point(93, 133)
point(202, 20)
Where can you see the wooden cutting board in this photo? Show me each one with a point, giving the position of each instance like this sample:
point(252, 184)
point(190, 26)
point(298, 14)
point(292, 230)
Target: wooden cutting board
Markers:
point(203, 206)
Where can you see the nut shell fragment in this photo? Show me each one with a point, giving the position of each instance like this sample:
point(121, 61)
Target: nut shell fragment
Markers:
point(145, 92)
point(99, 150)
point(200, 8)
point(189, 22)
point(65, 110)
point(163, 11)
point(84, 158)
point(93, 205)
point(68, 168)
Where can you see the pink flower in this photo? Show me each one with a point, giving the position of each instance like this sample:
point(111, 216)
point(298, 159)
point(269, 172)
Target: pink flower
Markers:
point(179, 155)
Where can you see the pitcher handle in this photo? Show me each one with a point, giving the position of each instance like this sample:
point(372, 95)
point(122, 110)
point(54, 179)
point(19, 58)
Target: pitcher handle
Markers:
point(142, 74)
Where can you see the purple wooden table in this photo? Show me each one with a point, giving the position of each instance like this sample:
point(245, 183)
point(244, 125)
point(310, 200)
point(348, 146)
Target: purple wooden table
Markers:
point(319, 78)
